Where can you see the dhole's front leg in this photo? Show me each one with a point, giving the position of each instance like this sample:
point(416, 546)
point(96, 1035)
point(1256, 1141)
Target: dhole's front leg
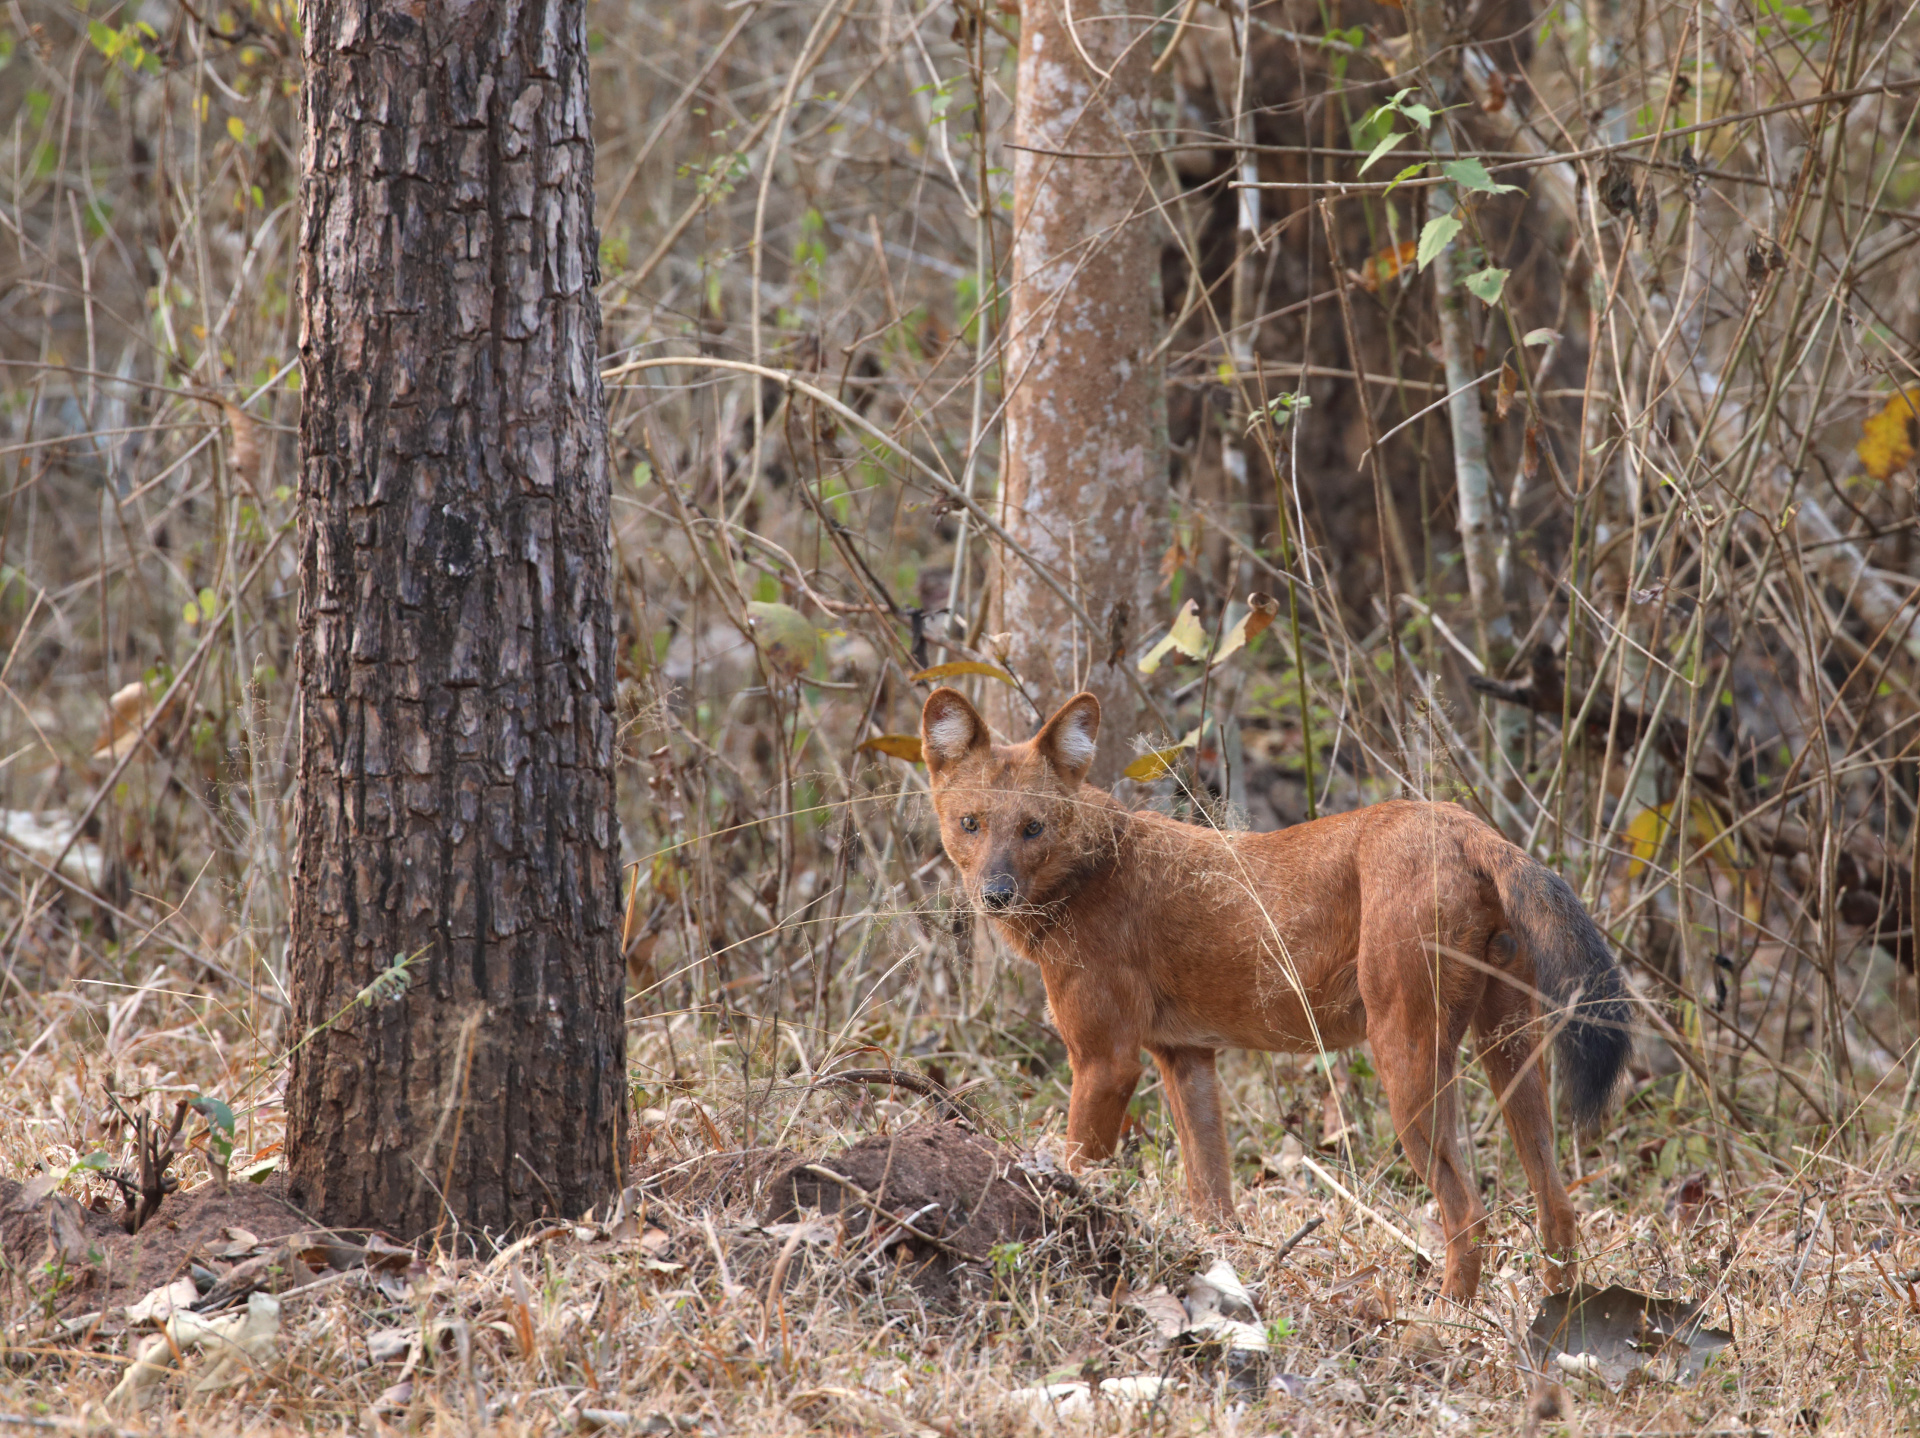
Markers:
point(1193, 1092)
point(1103, 1084)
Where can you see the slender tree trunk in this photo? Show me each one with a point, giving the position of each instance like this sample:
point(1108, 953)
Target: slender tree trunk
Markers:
point(1482, 539)
point(1084, 479)
point(1485, 541)
point(456, 632)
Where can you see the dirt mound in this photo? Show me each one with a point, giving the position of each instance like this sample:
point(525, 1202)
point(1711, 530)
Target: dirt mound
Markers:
point(95, 1263)
point(718, 1180)
point(944, 1199)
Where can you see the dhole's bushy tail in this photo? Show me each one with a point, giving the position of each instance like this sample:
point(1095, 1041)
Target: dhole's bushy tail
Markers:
point(1576, 971)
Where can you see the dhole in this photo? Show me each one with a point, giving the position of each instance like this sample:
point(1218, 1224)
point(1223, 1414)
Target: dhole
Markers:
point(1403, 923)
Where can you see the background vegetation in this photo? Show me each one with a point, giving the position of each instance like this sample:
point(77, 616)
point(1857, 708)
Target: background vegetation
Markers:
point(1698, 695)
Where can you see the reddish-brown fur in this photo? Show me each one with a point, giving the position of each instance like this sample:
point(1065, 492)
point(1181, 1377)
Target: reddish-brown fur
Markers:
point(1407, 924)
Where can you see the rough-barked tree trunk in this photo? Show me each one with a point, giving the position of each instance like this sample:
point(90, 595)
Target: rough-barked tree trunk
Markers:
point(1084, 479)
point(456, 645)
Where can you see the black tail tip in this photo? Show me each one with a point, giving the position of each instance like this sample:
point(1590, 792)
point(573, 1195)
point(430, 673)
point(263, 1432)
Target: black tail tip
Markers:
point(1593, 1052)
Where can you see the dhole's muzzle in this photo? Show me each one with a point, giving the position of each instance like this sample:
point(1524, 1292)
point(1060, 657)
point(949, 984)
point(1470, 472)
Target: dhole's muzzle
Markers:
point(999, 891)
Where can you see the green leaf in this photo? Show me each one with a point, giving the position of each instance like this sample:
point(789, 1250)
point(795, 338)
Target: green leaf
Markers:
point(95, 1162)
point(1435, 236)
point(1418, 113)
point(1486, 285)
point(1403, 177)
point(1540, 337)
point(214, 1111)
point(1470, 174)
point(1380, 149)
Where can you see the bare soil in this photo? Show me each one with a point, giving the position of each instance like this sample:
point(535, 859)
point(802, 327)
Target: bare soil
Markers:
point(57, 1243)
point(968, 1198)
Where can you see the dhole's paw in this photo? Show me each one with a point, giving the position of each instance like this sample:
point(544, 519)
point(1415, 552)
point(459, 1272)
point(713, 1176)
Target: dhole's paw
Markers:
point(1054, 1149)
point(1561, 1273)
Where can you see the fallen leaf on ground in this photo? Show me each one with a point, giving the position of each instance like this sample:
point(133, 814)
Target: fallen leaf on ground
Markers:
point(239, 1341)
point(1612, 1333)
point(159, 1305)
point(1076, 1400)
point(1166, 1314)
point(1219, 1290)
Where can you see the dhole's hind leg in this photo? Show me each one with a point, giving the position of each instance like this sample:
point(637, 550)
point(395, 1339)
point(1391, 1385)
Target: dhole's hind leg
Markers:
point(1415, 1049)
point(1193, 1093)
point(1507, 1039)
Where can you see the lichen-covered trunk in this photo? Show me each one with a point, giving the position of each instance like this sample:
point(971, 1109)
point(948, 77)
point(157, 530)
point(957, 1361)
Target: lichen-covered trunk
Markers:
point(456, 635)
point(1084, 480)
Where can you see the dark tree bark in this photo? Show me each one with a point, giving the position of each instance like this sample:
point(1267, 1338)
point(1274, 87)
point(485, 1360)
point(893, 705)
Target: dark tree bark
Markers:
point(456, 629)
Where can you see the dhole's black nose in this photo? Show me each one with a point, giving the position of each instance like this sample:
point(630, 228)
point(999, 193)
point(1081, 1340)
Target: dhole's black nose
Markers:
point(998, 892)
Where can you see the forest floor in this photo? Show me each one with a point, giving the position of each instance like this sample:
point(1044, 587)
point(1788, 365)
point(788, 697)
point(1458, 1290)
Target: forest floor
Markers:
point(954, 1280)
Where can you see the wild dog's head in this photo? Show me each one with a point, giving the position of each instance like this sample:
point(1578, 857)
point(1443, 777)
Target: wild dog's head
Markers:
point(1015, 818)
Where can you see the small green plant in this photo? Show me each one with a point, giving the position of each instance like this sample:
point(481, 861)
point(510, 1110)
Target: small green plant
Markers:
point(390, 984)
point(1008, 1259)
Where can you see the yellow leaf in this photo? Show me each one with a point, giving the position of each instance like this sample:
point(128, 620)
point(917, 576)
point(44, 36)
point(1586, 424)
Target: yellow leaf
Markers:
point(1185, 634)
point(897, 746)
point(784, 636)
point(1157, 762)
point(1887, 439)
point(1386, 264)
point(1645, 835)
point(237, 128)
point(1261, 609)
point(960, 667)
point(1651, 827)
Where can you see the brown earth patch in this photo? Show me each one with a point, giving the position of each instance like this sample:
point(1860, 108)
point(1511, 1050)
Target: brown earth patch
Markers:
point(947, 1203)
point(85, 1260)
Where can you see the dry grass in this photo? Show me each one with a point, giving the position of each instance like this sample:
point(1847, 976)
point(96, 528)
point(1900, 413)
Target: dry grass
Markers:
point(792, 911)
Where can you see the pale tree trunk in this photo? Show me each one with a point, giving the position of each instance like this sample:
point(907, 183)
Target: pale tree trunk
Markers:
point(455, 794)
point(1485, 541)
point(1482, 538)
point(1084, 479)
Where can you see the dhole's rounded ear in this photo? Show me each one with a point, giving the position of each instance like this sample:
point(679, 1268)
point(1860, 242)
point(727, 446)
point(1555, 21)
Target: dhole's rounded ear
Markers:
point(950, 729)
point(1067, 740)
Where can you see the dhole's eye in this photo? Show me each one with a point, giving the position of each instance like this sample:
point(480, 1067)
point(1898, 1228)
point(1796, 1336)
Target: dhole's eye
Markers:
point(969, 823)
point(1034, 829)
